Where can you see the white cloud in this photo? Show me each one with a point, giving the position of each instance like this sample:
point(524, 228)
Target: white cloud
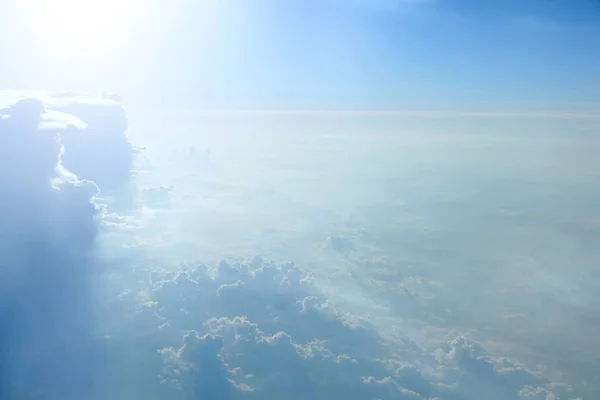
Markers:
point(536, 393)
point(102, 152)
point(93, 129)
point(56, 120)
point(47, 230)
point(197, 368)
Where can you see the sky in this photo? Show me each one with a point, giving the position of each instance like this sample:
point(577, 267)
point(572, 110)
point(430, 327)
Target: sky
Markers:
point(379, 54)
point(386, 199)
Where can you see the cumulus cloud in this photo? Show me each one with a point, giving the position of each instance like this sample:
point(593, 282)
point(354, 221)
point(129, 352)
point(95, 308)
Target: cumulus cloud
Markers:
point(260, 330)
point(94, 130)
point(103, 153)
point(48, 228)
point(267, 331)
point(476, 374)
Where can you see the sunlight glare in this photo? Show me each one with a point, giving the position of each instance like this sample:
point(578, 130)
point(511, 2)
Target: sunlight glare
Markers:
point(79, 28)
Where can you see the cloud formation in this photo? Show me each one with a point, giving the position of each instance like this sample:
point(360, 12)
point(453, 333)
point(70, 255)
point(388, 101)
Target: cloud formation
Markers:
point(261, 330)
point(170, 328)
point(93, 129)
point(48, 229)
point(103, 152)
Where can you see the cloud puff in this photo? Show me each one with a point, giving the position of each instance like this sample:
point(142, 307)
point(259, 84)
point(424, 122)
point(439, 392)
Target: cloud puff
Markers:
point(48, 229)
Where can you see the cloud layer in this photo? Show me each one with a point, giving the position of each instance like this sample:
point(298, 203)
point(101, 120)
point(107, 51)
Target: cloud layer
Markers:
point(100, 302)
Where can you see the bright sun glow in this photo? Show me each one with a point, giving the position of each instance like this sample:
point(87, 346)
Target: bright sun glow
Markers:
point(80, 28)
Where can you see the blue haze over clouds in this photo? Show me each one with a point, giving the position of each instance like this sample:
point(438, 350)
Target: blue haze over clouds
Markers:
point(308, 200)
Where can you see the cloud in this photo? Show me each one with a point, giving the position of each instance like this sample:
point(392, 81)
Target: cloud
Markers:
point(270, 332)
point(102, 152)
point(156, 197)
point(93, 130)
point(49, 215)
point(477, 374)
point(177, 328)
point(405, 291)
point(263, 330)
point(198, 367)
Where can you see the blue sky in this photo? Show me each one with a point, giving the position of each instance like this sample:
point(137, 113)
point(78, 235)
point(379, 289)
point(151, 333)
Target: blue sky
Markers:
point(374, 54)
